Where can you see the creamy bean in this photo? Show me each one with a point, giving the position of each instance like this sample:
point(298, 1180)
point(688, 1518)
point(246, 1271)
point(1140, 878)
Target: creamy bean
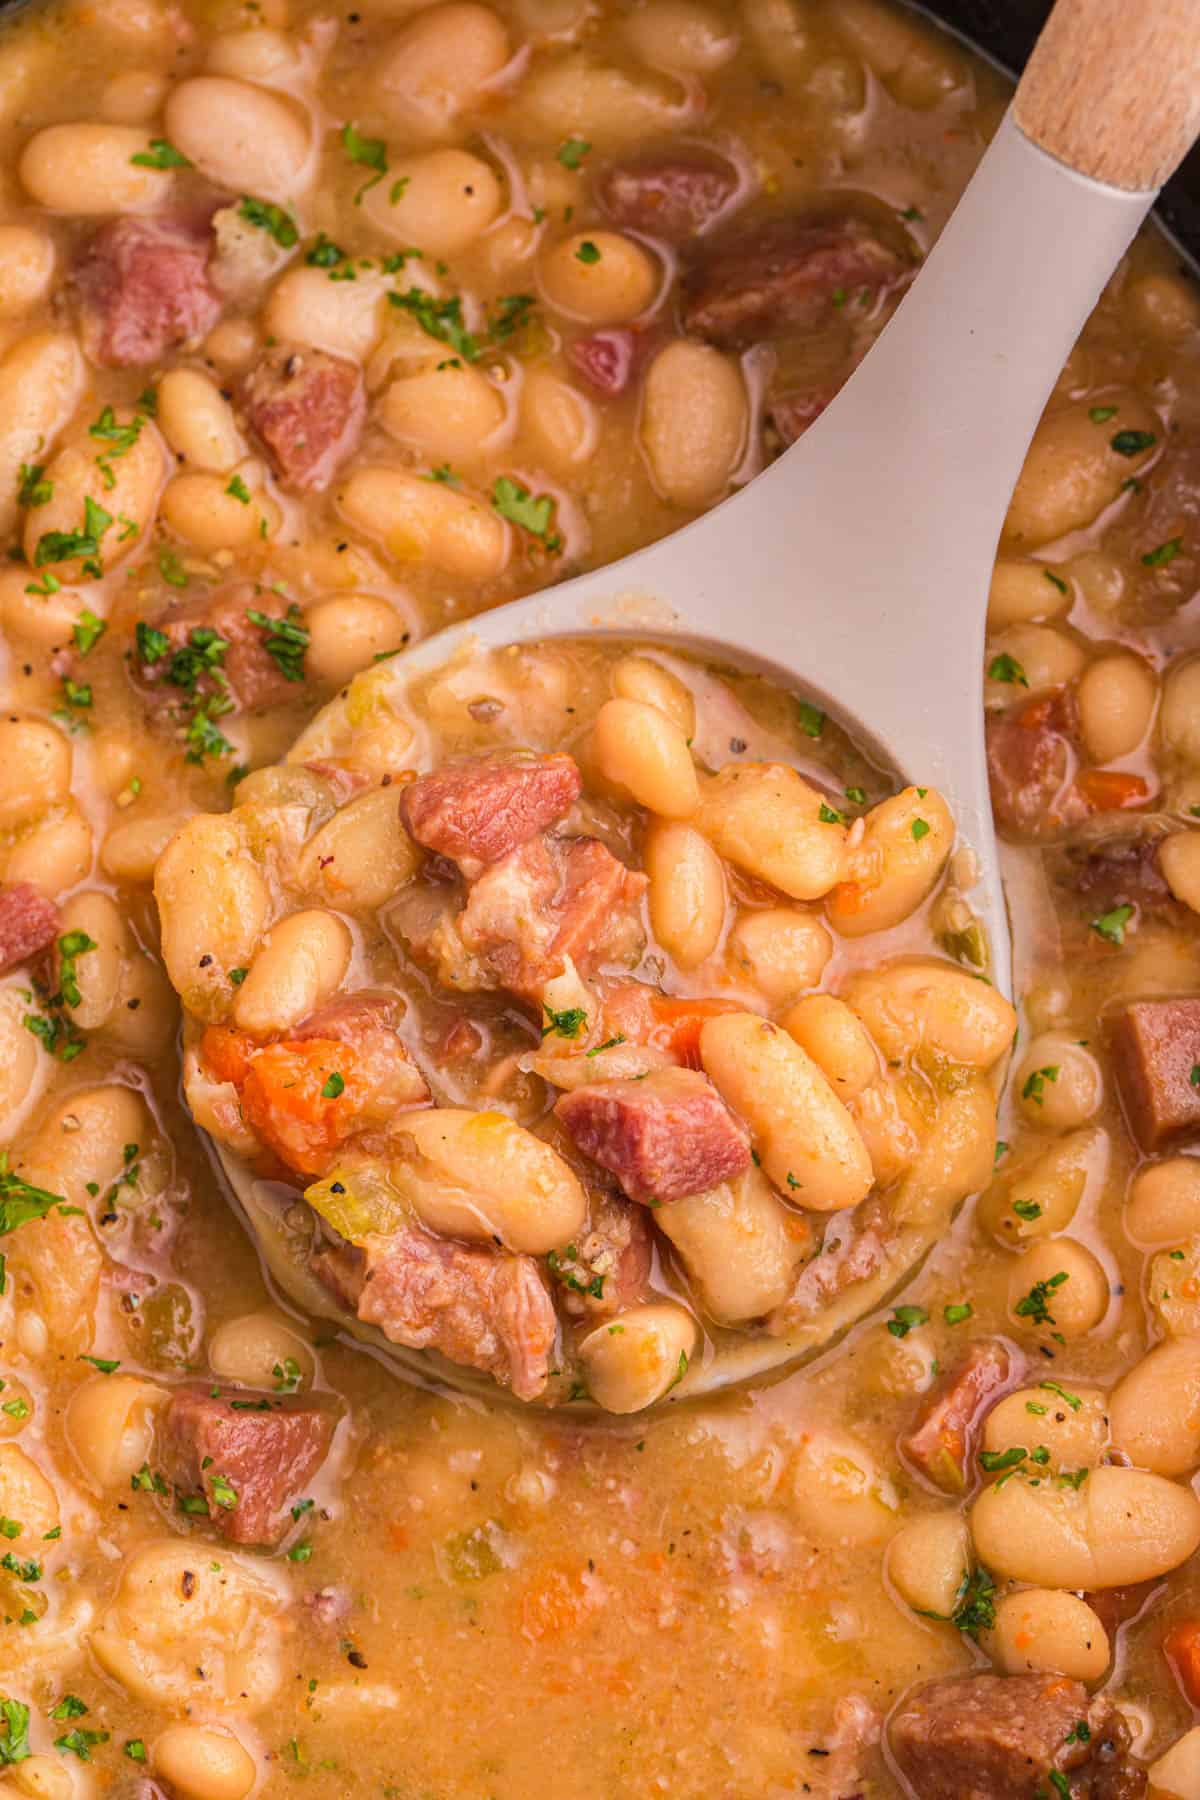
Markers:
point(632, 1360)
point(26, 1497)
point(480, 1176)
point(561, 422)
point(437, 67)
point(197, 421)
point(740, 1245)
point(443, 201)
point(343, 317)
point(86, 168)
point(929, 1561)
point(893, 868)
point(1041, 1197)
point(1043, 656)
point(1022, 593)
point(414, 520)
point(766, 818)
point(204, 1763)
point(346, 633)
point(781, 949)
point(130, 851)
point(1175, 1775)
point(1120, 1526)
point(212, 905)
point(242, 137)
point(919, 1003)
point(806, 1140)
point(637, 678)
point(35, 769)
point(1179, 718)
point(260, 1350)
point(26, 268)
point(1179, 860)
point(644, 754)
point(444, 414)
point(110, 1427)
point(841, 1498)
point(684, 35)
point(112, 501)
point(609, 107)
point(1155, 1408)
point(687, 891)
point(133, 96)
point(41, 621)
point(600, 277)
point(1042, 1630)
point(20, 1060)
point(1059, 1082)
point(1162, 306)
point(1072, 471)
point(693, 424)
point(259, 54)
point(95, 917)
point(1117, 697)
point(1075, 1430)
point(202, 511)
point(301, 962)
point(53, 854)
point(1069, 1282)
point(1164, 1202)
point(837, 1041)
point(41, 380)
point(360, 857)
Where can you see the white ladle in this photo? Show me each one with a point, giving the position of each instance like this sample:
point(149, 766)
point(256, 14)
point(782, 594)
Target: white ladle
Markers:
point(858, 565)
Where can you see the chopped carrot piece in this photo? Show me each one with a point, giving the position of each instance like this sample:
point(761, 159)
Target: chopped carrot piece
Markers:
point(1181, 1647)
point(1109, 790)
point(555, 1603)
point(226, 1053)
point(678, 1024)
point(301, 1098)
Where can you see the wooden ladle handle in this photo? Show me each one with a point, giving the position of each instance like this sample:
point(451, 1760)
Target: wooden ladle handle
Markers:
point(1113, 88)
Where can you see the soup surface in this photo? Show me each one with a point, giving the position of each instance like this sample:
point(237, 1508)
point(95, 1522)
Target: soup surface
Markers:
point(319, 329)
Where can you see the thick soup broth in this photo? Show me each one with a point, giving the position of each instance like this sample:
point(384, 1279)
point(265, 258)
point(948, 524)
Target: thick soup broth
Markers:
point(582, 1023)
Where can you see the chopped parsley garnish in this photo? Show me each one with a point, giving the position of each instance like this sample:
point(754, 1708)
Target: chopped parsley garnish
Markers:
point(920, 829)
point(276, 221)
point(147, 1481)
point(65, 546)
point(1132, 443)
point(440, 319)
point(568, 1023)
point(534, 515)
point(134, 1749)
point(223, 1492)
point(369, 153)
point(975, 1608)
point(119, 438)
point(334, 1087)
point(300, 1553)
point(107, 1365)
point(445, 475)
point(1007, 668)
point(33, 491)
point(857, 796)
point(325, 254)
point(14, 1739)
point(996, 1460)
point(161, 155)
point(1029, 1210)
point(81, 1742)
point(905, 1318)
point(811, 718)
point(1165, 553)
point(288, 1375)
point(608, 1044)
point(572, 153)
point(237, 490)
point(587, 252)
point(1194, 1077)
point(1100, 415)
point(957, 1312)
point(828, 816)
point(170, 567)
point(71, 946)
point(512, 312)
point(1034, 1305)
point(1111, 925)
point(286, 641)
point(1056, 581)
point(87, 631)
point(1035, 1085)
point(20, 1202)
point(69, 1707)
point(237, 976)
point(1071, 1400)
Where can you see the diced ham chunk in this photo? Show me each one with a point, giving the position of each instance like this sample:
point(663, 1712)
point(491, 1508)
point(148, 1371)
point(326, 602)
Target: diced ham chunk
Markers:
point(479, 811)
point(250, 1455)
point(1156, 1060)
point(856, 1248)
point(1117, 871)
point(29, 923)
point(663, 1136)
point(791, 274)
point(143, 289)
point(608, 1268)
point(308, 409)
point(676, 196)
point(1032, 753)
point(1002, 1737)
point(243, 673)
point(481, 1308)
point(942, 1443)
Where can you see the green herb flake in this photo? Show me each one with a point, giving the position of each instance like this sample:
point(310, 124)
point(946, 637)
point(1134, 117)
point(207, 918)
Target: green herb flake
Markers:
point(1029, 1210)
point(1034, 1305)
point(237, 490)
point(287, 640)
point(516, 503)
point(223, 1492)
point(1071, 1400)
point(572, 153)
point(828, 816)
point(1165, 553)
point(905, 1318)
point(975, 1608)
point(300, 1553)
point(1035, 1085)
point(567, 1024)
point(106, 1364)
point(993, 1461)
point(87, 631)
point(587, 253)
point(1132, 443)
point(334, 1087)
point(134, 1749)
point(69, 1707)
point(19, 1203)
point(14, 1739)
point(1056, 581)
point(440, 319)
point(957, 1312)
point(1111, 925)
point(81, 1742)
point(161, 155)
point(71, 946)
point(369, 153)
point(810, 718)
point(1100, 415)
point(920, 829)
point(325, 254)
point(1007, 668)
point(276, 221)
point(32, 490)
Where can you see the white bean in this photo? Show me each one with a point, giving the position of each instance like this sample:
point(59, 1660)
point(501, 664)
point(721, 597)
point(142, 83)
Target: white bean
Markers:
point(1072, 471)
point(837, 1041)
point(1119, 1527)
point(446, 414)
point(767, 819)
point(197, 421)
point(922, 1003)
point(1117, 696)
point(204, 1763)
point(1059, 1082)
point(1041, 1630)
point(89, 169)
point(781, 949)
point(343, 317)
point(110, 1426)
point(301, 962)
point(1070, 1281)
point(1164, 1202)
point(893, 868)
point(639, 750)
point(26, 268)
point(41, 380)
point(602, 278)
point(212, 904)
point(929, 1560)
point(242, 137)
point(687, 891)
point(437, 67)
point(741, 1246)
point(417, 520)
point(256, 1348)
point(480, 1176)
point(632, 1360)
point(442, 201)
point(693, 425)
point(1155, 1408)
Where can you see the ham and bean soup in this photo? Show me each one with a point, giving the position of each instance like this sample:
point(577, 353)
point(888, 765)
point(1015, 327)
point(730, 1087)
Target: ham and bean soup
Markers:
point(587, 1030)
